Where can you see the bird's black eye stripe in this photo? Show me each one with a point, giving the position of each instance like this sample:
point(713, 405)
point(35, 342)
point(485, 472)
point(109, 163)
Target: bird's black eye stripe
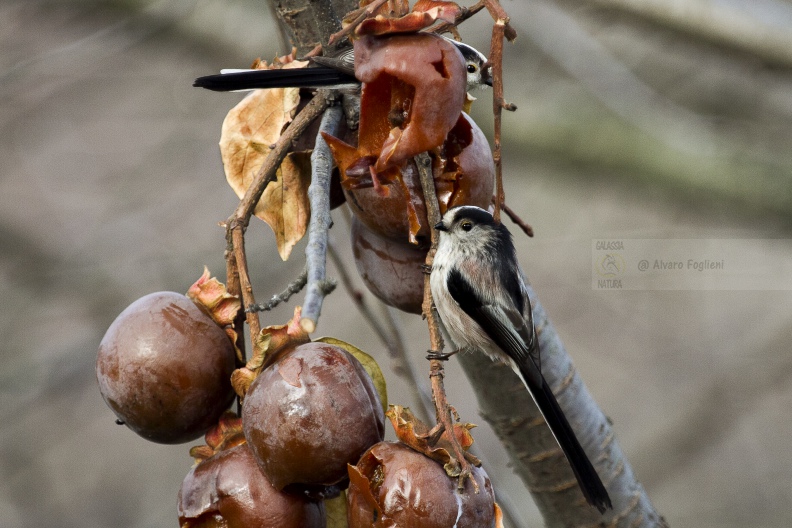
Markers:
point(471, 68)
point(467, 226)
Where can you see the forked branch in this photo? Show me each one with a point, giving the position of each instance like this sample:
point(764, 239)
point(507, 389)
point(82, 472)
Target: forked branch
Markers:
point(236, 260)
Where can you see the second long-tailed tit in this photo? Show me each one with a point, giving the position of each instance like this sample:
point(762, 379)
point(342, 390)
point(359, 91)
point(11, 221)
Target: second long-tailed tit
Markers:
point(481, 298)
point(333, 71)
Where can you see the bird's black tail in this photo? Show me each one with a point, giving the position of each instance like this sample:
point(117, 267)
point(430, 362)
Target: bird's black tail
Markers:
point(588, 479)
point(282, 78)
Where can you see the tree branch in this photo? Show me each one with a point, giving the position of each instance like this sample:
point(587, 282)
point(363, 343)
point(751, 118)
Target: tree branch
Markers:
point(436, 371)
point(307, 23)
point(237, 223)
point(293, 287)
point(319, 196)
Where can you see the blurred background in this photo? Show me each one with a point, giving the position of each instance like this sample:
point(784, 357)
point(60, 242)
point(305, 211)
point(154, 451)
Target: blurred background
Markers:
point(637, 119)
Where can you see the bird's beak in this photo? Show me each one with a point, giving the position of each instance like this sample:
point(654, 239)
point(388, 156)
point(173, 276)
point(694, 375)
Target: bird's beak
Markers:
point(486, 74)
point(440, 226)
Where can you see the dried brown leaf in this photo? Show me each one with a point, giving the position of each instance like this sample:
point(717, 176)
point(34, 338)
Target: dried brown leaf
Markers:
point(270, 341)
point(249, 129)
point(225, 435)
point(424, 14)
point(284, 206)
point(212, 295)
point(416, 434)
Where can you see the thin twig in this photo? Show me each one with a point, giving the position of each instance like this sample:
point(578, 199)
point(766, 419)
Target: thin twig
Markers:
point(319, 196)
point(496, 61)
point(499, 14)
point(466, 13)
point(362, 14)
point(237, 223)
point(293, 287)
point(436, 371)
point(234, 288)
point(238, 241)
point(526, 228)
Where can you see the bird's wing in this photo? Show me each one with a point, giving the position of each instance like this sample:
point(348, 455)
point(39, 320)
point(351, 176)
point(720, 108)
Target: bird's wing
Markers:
point(283, 78)
point(505, 325)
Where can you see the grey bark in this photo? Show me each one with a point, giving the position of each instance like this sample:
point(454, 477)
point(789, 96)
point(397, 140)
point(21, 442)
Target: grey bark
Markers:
point(319, 197)
point(306, 23)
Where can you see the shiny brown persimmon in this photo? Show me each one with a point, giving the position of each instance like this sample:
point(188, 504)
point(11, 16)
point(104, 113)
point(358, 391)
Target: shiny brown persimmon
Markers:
point(311, 412)
point(228, 490)
point(164, 368)
point(390, 270)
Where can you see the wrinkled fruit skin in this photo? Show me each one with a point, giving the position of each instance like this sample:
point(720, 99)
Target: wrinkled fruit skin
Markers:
point(465, 177)
point(164, 368)
point(309, 414)
point(229, 490)
point(434, 68)
point(393, 485)
point(390, 270)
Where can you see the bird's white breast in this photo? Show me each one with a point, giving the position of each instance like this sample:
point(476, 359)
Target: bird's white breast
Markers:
point(460, 327)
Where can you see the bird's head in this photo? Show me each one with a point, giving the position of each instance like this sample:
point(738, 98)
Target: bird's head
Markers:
point(468, 226)
point(479, 71)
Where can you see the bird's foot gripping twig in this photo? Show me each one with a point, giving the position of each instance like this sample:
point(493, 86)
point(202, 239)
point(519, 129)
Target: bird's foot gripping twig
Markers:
point(440, 356)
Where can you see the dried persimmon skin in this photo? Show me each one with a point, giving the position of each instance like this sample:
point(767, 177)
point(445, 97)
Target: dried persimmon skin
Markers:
point(411, 102)
point(219, 492)
point(424, 14)
point(464, 174)
point(392, 485)
point(434, 68)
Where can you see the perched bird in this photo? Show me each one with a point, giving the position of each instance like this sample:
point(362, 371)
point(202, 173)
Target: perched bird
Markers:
point(332, 71)
point(481, 298)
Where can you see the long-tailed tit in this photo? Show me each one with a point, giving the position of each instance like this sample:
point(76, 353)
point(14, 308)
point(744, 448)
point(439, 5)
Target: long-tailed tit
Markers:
point(482, 301)
point(333, 71)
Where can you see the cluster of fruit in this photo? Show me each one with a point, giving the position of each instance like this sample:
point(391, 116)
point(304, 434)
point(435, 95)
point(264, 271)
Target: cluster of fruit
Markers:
point(308, 449)
point(311, 421)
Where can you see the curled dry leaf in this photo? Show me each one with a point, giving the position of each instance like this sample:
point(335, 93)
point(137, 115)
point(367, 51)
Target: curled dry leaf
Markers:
point(269, 343)
point(248, 131)
point(498, 516)
point(211, 294)
point(414, 433)
point(225, 435)
point(424, 14)
point(284, 206)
